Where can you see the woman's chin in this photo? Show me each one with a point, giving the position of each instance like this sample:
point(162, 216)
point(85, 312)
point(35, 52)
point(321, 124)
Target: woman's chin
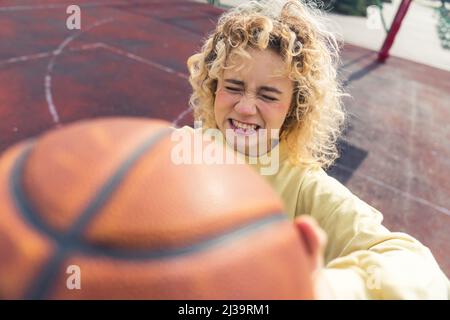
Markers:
point(248, 147)
point(247, 143)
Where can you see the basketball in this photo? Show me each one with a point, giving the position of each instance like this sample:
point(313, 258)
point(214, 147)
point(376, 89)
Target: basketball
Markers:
point(99, 210)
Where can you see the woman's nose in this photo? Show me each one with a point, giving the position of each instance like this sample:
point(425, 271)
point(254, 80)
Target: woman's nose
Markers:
point(246, 106)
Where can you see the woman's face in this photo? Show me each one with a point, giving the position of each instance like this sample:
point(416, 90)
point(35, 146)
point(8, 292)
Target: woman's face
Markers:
point(253, 98)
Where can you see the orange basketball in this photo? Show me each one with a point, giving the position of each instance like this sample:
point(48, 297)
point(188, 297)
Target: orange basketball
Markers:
point(99, 210)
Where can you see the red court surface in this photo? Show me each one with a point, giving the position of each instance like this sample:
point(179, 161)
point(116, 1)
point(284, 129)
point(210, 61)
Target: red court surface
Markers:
point(130, 59)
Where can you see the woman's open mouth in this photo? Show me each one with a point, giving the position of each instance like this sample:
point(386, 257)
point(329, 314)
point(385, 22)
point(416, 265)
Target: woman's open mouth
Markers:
point(243, 128)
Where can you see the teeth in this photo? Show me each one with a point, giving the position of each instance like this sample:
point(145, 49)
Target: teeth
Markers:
point(243, 125)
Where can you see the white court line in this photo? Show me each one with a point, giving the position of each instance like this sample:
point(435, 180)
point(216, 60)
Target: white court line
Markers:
point(143, 60)
point(35, 56)
point(181, 116)
point(59, 5)
point(92, 46)
point(59, 51)
point(42, 55)
point(48, 77)
point(155, 65)
point(398, 191)
point(32, 7)
point(87, 46)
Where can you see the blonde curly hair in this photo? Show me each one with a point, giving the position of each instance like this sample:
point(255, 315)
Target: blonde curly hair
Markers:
point(298, 32)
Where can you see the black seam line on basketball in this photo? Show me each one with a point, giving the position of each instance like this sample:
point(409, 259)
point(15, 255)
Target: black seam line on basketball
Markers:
point(65, 241)
point(126, 254)
point(24, 206)
point(109, 187)
point(201, 245)
point(26, 209)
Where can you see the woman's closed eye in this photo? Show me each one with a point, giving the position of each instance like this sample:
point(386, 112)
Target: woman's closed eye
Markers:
point(269, 98)
point(233, 89)
point(265, 97)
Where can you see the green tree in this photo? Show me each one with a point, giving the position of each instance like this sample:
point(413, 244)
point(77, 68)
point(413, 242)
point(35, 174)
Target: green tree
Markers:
point(351, 7)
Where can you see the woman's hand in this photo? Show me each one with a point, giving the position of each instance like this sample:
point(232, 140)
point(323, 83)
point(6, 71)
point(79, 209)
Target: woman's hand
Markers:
point(315, 240)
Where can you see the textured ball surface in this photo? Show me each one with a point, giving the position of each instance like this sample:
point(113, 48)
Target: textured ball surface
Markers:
point(105, 196)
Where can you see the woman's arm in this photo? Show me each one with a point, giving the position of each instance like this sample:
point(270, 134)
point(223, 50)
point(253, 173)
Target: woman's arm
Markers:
point(363, 259)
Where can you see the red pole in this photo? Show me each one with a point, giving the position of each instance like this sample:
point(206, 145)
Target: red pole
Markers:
point(401, 12)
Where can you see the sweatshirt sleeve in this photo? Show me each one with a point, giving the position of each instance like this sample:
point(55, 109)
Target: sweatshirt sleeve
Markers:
point(364, 260)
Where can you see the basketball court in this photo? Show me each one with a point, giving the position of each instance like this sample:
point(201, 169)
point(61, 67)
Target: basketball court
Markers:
point(129, 59)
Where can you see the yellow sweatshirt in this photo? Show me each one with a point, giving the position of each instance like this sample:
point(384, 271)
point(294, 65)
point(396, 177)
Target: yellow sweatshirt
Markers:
point(363, 259)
